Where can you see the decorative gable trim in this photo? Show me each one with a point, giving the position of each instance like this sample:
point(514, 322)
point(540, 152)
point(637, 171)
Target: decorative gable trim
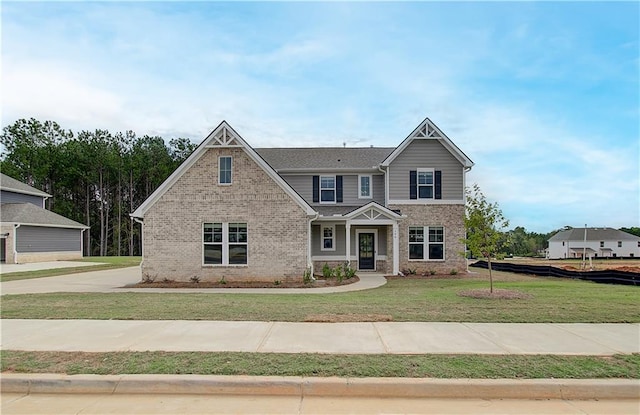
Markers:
point(373, 211)
point(427, 130)
point(223, 136)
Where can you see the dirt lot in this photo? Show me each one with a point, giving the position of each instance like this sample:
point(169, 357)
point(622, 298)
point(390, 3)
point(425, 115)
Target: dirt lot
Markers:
point(628, 265)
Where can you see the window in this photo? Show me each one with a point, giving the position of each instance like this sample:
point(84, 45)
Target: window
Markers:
point(224, 170)
point(619, 244)
point(601, 244)
point(328, 238)
point(365, 191)
point(425, 184)
point(225, 243)
point(327, 189)
point(429, 248)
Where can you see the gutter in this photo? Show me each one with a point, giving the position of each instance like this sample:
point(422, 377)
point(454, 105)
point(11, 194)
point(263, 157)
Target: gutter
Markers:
point(309, 253)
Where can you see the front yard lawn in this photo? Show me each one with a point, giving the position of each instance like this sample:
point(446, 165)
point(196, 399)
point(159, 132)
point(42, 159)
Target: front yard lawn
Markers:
point(425, 299)
point(280, 364)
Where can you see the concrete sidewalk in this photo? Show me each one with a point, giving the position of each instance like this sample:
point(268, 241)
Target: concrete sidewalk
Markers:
point(38, 266)
point(332, 338)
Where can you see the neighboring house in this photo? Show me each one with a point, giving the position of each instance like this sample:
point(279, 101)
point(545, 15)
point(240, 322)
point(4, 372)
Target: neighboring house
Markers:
point(600, 242)
point(31, 233)
point(269, 213)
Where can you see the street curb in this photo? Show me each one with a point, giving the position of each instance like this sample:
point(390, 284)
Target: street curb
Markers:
point(572, 389)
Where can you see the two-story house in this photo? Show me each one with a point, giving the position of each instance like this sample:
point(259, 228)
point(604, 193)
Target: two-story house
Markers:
point(243, 213)
point(594, 243)
point(31, 233)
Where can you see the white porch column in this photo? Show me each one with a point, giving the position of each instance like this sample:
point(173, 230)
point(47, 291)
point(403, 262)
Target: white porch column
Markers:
point(396, 249)
point(347, 226)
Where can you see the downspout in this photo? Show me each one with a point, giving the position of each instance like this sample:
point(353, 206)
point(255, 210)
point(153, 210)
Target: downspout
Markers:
point(82, 242)
point(309, 253)
point(15, 242)
point(465, 170)
point(141, 222)
point(386, 186)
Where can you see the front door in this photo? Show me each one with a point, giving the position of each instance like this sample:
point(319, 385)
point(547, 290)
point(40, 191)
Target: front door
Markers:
point(366, 253)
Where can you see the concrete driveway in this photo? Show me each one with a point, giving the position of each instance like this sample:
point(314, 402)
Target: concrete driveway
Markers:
point(93, 281)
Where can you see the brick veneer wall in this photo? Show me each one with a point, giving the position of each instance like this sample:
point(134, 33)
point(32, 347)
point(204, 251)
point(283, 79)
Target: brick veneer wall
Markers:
point(277, 225)
point(451, 217)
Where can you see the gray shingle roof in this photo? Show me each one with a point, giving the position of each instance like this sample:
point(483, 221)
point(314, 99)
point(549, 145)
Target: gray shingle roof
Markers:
point(11, 184)
point(594, 234)
point(27, 213)
point(329, 158)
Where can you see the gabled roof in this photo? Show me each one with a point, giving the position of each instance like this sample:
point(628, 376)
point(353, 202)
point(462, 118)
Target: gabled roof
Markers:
point(29, 214)
point(222, 136)
point(594, 234)
point(324, 158)
point(12, 185)
point(427, 130)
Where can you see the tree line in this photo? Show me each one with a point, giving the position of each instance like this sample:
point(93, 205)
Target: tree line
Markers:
point(96, 177)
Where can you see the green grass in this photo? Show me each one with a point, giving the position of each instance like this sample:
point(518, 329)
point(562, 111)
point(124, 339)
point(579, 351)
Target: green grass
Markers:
point(279, 364)
point(107, 262)
point(427, 299)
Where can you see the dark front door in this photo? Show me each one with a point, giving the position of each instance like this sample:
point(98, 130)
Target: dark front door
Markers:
point(366, 255)
point(3, 250)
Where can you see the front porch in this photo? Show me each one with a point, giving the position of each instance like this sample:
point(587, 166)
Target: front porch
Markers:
point(365, 238)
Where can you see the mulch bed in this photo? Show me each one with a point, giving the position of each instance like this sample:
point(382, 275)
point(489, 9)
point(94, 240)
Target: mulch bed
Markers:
point(318, 283)
point(497, 294)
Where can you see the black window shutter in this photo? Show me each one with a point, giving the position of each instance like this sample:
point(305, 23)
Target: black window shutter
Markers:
point(413, 184)
point(438, 186)
point(316, 189)
point(339, 189)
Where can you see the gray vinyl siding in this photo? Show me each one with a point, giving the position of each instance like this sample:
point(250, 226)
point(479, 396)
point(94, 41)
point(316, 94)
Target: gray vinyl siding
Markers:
point(12, 197)
point(426, 154)
point(303, 184)
point(43, 239)
point(340, 240)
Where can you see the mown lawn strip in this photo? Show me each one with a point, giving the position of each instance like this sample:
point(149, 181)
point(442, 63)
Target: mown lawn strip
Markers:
point(320, 365)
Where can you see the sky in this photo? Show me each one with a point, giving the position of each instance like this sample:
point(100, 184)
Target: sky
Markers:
point(544, 97)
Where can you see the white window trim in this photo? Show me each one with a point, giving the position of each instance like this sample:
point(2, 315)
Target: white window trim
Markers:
point(425, 244)
point(360, 176)
point(433, 185)
point(220, 165)
point(335, 190)
point(333, 237)
point(225, 245)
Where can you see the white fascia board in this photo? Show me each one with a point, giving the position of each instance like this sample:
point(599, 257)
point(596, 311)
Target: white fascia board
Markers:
point(448, 144)
point(195, 156)
point(35, 192)
point(324, 170)
point(373, 205)
point(46, 225)
point(423, 202)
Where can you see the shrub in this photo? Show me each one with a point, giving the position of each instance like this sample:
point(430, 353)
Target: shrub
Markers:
point(453, 272)
point(432, 272)
point(277, 282)
point(222, 281)
point(306, 277)
point(337, 272)
point(348, 271)
point(148, 279)
point(326, 270)
point(195, 279)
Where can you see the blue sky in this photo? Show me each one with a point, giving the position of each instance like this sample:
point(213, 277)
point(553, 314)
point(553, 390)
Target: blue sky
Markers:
point(542, 96)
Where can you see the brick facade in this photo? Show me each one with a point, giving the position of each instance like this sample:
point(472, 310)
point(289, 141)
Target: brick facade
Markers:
point(173, 227)
point(451, 217)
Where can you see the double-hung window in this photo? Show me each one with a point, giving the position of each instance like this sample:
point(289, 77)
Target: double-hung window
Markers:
point(225, 243)
point(426, 243)
point(364, 187)
point(327, 189)
point(328, 238)
point(425, 183)
point(224, 170)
